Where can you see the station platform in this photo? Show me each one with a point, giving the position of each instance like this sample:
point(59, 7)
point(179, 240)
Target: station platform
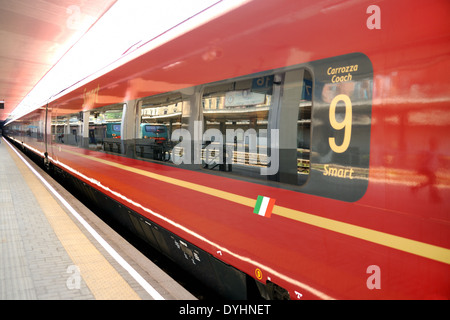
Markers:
point(54, 248)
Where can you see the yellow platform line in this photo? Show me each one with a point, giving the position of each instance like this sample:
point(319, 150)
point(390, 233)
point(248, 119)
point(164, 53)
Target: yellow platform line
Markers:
point(103, 280)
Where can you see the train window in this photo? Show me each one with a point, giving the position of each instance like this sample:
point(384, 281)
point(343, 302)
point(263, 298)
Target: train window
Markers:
point(60, 127)
point(235, 123)
point(160, 116)
point(67, 129)
point(98, 129)
point(105, 128)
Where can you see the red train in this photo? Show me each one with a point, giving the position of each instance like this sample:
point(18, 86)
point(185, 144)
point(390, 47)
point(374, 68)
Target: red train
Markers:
point(330, 119)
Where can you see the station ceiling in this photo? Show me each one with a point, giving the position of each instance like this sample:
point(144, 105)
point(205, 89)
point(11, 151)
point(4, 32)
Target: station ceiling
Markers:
point(34, 35)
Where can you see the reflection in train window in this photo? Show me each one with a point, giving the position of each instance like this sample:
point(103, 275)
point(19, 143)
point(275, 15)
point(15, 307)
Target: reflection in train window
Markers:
point(235, 122)
point(105, 125)
point(160, 116)
point(304, 130)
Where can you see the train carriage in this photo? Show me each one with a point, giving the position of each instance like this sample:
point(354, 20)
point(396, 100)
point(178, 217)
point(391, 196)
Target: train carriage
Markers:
point(307, 148)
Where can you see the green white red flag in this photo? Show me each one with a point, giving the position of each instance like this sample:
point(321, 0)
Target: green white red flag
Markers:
point(264, 206)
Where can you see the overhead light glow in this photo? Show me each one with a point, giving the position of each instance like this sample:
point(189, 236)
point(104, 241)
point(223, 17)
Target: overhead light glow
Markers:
point(125, 28)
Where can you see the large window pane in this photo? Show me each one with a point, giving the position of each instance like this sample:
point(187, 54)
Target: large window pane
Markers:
point(160, 116)
point(238, 112)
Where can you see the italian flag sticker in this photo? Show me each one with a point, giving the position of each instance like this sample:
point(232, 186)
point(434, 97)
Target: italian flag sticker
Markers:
point(264, 206)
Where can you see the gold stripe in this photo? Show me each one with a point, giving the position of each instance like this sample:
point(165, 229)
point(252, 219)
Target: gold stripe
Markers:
point(102, 279)
point(411, 246)
point(407, 245)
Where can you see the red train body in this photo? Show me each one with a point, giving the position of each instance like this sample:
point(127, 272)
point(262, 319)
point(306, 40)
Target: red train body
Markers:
point(370, 221)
